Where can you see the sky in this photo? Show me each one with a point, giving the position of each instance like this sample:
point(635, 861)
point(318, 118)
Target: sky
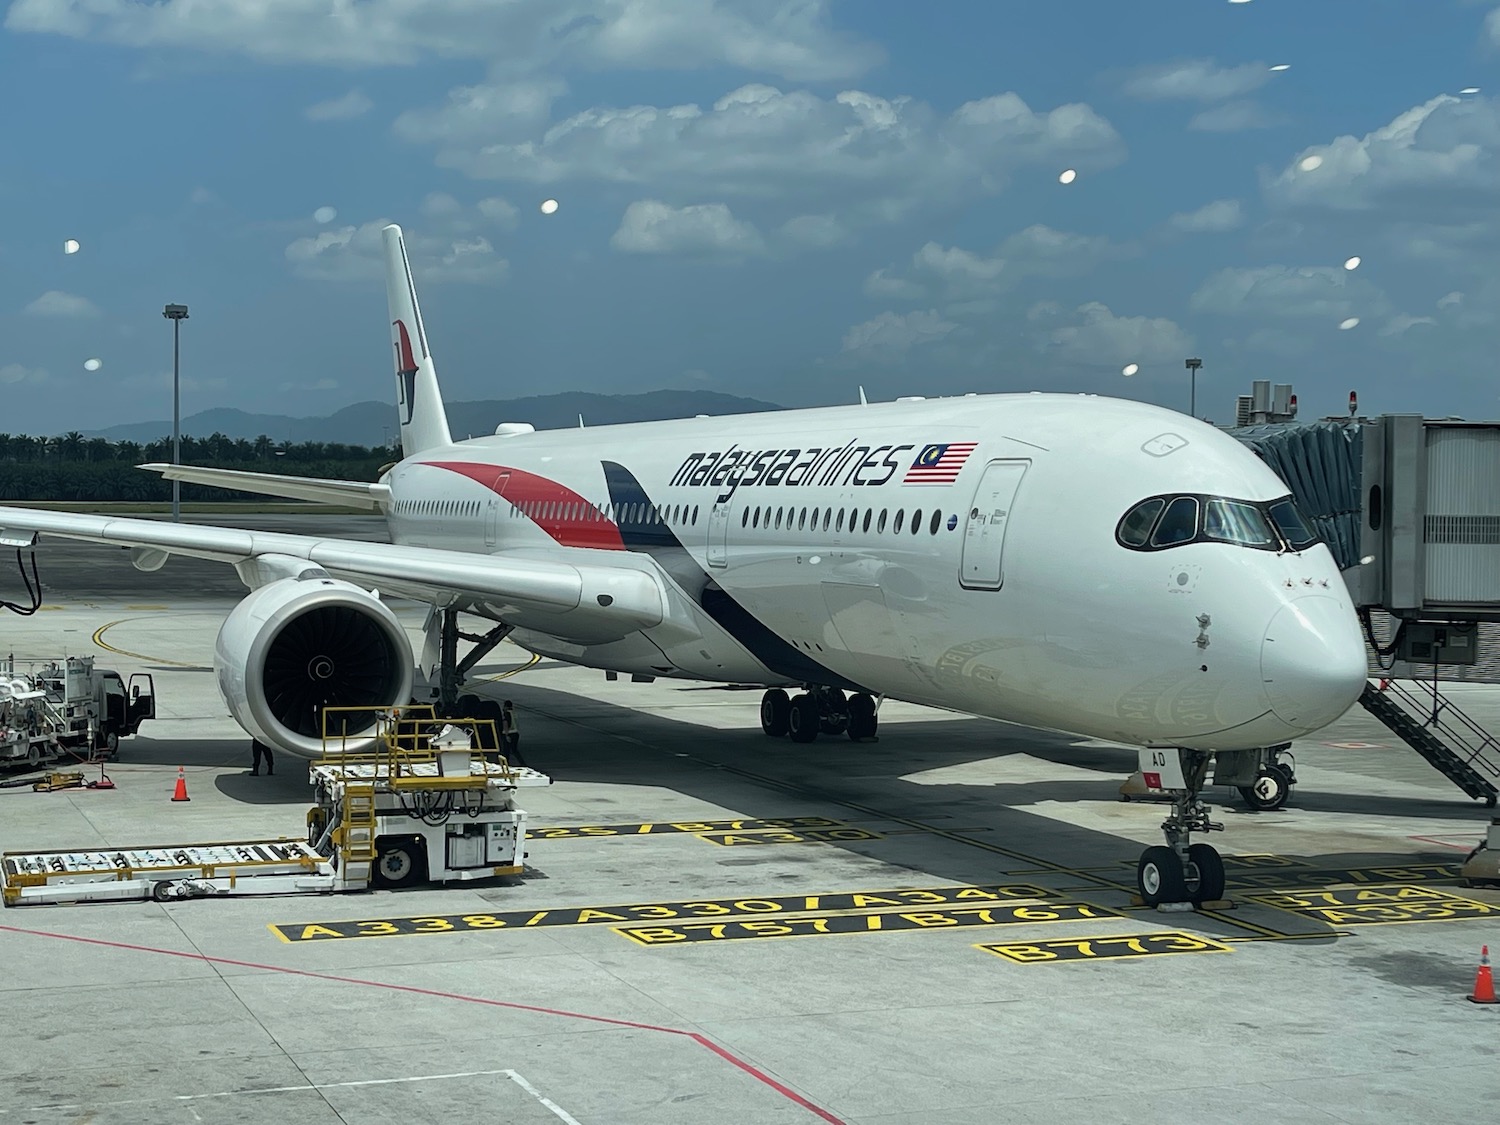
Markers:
point(783, 199)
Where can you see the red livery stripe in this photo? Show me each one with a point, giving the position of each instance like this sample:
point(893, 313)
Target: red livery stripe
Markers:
point(562, 513)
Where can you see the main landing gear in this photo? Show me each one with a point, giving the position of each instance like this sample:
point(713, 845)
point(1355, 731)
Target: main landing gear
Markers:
point(1183, 871)
point(818, 710)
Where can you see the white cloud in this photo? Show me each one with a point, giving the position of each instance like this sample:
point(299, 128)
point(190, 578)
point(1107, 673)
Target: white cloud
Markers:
point(508, 108)
point(875, 159)
point(13, 373)
point(952, 273)
point(790, 38)
point(54, 302)
point(814, 231)
point(1201, 80)
point(450, 245)
point(1220, 215)
point(894, 334)
point(1451, 299)
point(353, 104)
point(1447, 145)
point(1232, 117)
point(1100, 338)
point(1398, 325)
point(1328, 292)
point(652, 227)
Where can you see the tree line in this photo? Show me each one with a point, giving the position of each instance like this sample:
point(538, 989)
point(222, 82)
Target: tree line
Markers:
point(74, 467)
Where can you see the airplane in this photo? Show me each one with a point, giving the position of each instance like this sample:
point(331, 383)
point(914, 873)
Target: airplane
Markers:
point(1101, 567)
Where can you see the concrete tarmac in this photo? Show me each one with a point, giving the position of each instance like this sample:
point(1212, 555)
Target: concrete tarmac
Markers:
point(690, 943)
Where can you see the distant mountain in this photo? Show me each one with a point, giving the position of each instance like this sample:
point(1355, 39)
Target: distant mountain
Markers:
point(370, 423)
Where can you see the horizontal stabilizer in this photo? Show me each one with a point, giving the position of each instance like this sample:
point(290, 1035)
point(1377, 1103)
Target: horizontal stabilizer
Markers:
point(350, 493)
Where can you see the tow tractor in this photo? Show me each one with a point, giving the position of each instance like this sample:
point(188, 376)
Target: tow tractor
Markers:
point(68, 703)
point(414, 803)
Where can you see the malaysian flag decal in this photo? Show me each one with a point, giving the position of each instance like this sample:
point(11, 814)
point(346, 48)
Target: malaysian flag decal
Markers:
point(939, 464)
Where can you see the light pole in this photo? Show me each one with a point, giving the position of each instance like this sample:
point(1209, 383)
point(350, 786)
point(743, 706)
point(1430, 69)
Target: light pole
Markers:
point(1192, 366)
point(176, 314)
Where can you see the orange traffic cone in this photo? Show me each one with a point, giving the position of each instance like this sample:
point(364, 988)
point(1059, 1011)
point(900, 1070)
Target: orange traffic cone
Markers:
point(1484, 983)
point(181, 792)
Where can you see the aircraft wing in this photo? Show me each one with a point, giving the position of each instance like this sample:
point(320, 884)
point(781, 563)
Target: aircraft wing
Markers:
point(351, 493)
point(589, 600)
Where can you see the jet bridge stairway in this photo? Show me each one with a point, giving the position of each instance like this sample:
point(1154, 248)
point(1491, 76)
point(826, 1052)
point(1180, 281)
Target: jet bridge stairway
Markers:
point(1453, 743)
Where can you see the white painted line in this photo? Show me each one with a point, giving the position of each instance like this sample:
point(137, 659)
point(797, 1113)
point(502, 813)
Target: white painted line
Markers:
point(537, 1094)
point(341, 1085)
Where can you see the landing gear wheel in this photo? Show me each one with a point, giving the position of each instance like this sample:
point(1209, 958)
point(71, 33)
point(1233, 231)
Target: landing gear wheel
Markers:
point(397, 864)
point(774, 708)
point(1270, 791)
point(1158, 876)
point(802, 719)
point(833, 711)
point(1209, 884)
point(467, 706)
point(863, 722)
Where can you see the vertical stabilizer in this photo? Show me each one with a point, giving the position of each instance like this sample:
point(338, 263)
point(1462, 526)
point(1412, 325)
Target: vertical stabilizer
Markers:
point(424, 424)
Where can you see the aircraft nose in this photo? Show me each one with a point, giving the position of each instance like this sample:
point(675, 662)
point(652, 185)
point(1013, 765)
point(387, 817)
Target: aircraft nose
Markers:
point(1313, 661)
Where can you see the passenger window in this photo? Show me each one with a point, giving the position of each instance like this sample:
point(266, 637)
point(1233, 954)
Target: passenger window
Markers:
point(802, 520)
point(865, 526)
point(900, 516)
point(745, 518)
point(840, 527)
point(814, 523)
point(936, 522)
point(1135, 527)
point(916, 521)
point(695, 515)
point(1235, 521)
point(1290, 522)
point(1179, 523)
point(880, 523)
point(827, 517)
point(779, 513)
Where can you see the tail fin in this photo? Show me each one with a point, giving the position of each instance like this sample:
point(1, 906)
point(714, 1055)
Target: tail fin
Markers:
point(424, 424)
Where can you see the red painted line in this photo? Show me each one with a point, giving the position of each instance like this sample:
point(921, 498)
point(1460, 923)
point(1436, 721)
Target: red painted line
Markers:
point(702, 1040)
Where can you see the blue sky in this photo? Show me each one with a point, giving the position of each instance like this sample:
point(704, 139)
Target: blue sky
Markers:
point(778, 198)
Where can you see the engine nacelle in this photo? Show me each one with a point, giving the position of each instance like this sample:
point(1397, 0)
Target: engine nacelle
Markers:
point(298, 645)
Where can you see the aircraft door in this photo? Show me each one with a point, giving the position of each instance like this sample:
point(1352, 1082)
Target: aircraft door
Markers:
point(718, 534)
point(981, 564)
point(492, 509)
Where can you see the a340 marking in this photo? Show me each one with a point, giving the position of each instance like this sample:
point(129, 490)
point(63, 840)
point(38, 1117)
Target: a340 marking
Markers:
point(727, 908)
point(1377, 906)
point(836, 924)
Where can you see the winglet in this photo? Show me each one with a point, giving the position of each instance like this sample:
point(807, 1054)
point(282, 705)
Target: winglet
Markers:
point(424, 423)
point(862, 400)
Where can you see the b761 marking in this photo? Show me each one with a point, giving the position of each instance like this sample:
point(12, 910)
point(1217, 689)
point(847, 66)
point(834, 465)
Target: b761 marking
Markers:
point(831, 924)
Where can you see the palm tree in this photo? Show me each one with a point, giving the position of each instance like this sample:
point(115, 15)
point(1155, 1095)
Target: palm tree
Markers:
point(70, 446)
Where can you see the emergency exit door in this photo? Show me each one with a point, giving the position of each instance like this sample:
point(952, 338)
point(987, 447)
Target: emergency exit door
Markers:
point(718, 534)
point(982, 565)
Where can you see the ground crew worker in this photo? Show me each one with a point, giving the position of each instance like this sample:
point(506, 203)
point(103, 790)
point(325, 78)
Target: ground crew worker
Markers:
point(259, 750)
point(510, 735)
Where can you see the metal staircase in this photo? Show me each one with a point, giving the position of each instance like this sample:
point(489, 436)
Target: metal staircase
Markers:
point(357, 834)
point(1435, 728)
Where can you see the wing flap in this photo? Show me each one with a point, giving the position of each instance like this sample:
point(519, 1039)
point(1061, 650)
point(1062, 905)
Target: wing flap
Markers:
point(322, 490)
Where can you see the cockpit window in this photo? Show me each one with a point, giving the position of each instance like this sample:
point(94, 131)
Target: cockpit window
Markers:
point(1292, 526)
point(1161, 522)
point(1135, 528)
point(1235, 521)
point(1179, 523)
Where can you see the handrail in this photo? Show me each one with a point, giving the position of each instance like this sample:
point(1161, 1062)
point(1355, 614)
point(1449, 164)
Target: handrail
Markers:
point(401, 738)
point(1479, 754)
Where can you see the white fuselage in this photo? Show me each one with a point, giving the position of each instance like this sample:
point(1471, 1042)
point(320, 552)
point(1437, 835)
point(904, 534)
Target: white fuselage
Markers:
point(816, 547)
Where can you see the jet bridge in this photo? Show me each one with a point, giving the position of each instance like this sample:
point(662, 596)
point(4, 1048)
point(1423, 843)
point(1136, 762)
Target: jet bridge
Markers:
point(1410, 507)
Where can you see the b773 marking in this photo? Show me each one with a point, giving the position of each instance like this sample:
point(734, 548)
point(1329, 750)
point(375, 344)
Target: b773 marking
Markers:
point(1106, 947)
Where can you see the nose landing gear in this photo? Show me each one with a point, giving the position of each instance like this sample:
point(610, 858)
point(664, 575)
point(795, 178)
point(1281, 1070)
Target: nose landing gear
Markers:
point(1183, 871)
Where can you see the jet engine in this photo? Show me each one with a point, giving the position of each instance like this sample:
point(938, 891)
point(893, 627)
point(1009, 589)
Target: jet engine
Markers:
point(301, 644)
